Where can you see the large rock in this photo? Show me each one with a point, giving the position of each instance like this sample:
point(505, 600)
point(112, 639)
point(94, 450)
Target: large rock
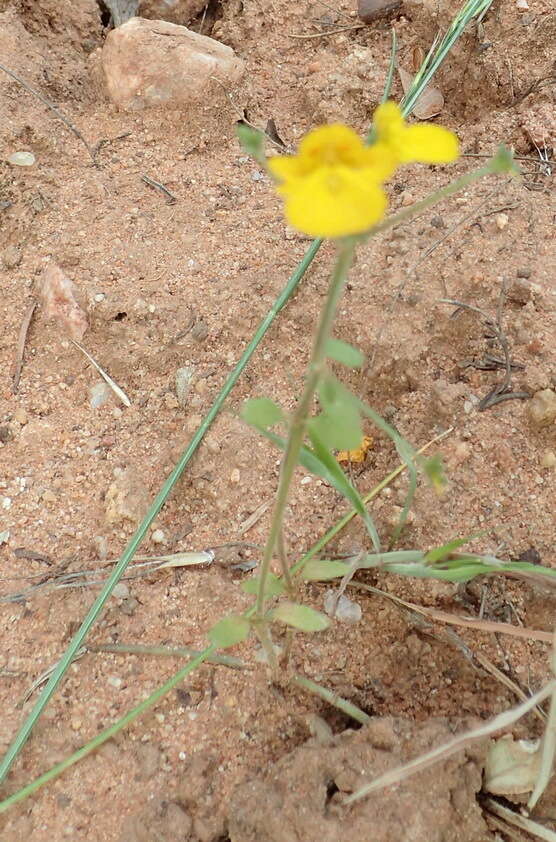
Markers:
point(154, 63)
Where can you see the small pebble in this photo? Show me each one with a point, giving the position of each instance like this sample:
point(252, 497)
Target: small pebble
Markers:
point(345, 610)
point(121, 591)
point(158, 536)
point(501, 220)
point(541, 409)
point(20, 416)
point(100, 296)
point(184, 378)
point(234, 476)
point(99, 393)
point(115, 681)
point(370, 10)
point(548, 459)
point(524, 273)
point(22, 159)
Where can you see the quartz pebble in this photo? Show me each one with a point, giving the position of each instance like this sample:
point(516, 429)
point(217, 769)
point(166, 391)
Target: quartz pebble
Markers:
point(345, 610)
point(541, 409)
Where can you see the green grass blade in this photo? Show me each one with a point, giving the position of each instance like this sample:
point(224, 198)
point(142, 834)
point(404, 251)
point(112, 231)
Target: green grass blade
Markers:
point(105, 735)
point(160, 499)
point(472, 9)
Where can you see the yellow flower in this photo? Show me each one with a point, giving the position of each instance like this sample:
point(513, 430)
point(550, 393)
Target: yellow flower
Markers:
point(424, 143)
point(332, 186)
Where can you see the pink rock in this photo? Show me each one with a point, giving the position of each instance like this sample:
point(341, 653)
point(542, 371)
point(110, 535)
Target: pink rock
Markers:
point(150, 64)
point(57, 295)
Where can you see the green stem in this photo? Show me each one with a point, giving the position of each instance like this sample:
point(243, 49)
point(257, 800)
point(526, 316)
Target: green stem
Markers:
point(299, 419)
point(418, 207)
point(77, 641)
point(332, 699)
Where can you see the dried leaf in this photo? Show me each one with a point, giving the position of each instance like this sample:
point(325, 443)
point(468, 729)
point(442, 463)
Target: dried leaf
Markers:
point(512, 766)
point(431, 101)
point(58, 301)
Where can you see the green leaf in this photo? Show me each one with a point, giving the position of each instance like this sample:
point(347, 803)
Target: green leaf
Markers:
point(503, 162)
point(333, 393)
point(274, 585)
point(440, 553)
point(342, 484)
point(338, 427)
point(251, 141)
point(300, 617)
point(434, 471)
point(344, 353)
point(319, 570)
point(261, 413)
point(229, 630)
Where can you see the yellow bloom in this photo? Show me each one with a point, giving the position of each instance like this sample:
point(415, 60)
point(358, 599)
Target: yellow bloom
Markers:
point(424, 143)
point(332, 186)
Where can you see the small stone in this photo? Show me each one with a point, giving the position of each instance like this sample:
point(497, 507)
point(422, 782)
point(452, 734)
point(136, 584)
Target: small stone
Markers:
point(126, 498)
point(99, 393)
point(184, 378)
point(5, 434)
point(100, 296)
point(343, 609)
point(541, 409)
point(6, 503)
point(520, 291)
point(234, 476)
point(121, 591)
point(11, 257)
point(548, 459)
point(154, 63)
point(115, 681)
point(129, 606)
point(158, 537)
point(100, 545)
point(20, 416)
point(199, 331)
point(370, 10)
point(501, 220)
point(407, 199)
point(524, 273)
point(171, 400)
point(4, 536)
point(22, 159)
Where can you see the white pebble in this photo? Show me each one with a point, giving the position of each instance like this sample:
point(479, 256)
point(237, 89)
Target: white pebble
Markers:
point(345, 611)
point(158, 536)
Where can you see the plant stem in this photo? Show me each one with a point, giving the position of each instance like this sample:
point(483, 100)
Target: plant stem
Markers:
point(299, 419)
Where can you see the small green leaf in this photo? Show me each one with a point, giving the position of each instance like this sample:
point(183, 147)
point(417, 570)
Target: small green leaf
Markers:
point(440, 553)
point(503, 162)
point(251, 141)
point(274, 585)
point(321, 570)
point(261, 413)
point(229, 630)
point(344, 353)
point(300, 617)
point(434, 471)
point(338, 427)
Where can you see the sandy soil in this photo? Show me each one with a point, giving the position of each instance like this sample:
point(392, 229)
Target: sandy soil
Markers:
point(168, 286)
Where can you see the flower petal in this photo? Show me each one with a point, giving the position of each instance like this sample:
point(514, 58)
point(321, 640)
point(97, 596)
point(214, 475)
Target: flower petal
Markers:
point(335, 202)
point(428, 144)
point(284, 168)
point(388, 120)
point(329, 145)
